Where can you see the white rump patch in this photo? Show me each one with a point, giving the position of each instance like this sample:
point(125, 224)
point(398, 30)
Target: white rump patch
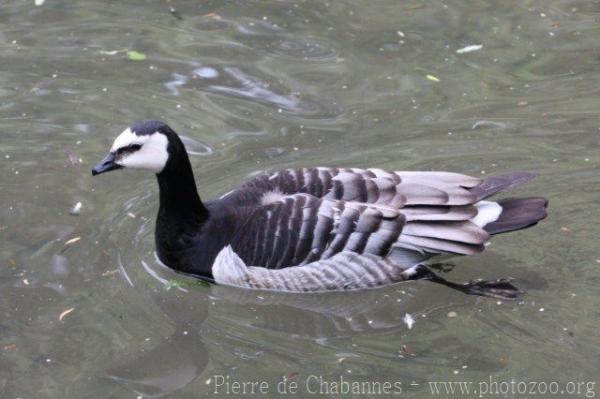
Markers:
point(270, 197)
point(152, 155)
point(487, 212)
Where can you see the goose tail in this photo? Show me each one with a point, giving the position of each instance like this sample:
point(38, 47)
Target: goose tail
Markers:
point(518, 213)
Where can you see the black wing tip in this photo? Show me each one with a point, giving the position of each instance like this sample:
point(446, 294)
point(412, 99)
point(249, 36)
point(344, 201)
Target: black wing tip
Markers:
point(503, 182)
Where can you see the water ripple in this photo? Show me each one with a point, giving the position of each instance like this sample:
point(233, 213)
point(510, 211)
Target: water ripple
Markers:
point(196, 147)
point(306, 49)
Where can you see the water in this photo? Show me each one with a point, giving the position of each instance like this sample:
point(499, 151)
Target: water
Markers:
point(270, 85)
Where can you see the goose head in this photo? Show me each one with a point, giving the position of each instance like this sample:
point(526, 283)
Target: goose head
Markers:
point(147, 145)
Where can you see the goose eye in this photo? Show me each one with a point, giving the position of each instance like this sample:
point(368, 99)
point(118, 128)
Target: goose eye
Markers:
point(128, 149)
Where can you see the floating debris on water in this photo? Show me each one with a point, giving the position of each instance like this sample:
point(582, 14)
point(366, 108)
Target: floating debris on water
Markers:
point(72, 240)
point(452, 314)
point(212, 15)
point(74, 160)
point(468, 49)
point(406, 350)
point(65, 313)
point(484, 124)
point(39, 2)
point(433, 78)
point(76, 210)
point(175, 13)
point(110, 52)
point(134, 55)
point(408, 320)
point(131, 215)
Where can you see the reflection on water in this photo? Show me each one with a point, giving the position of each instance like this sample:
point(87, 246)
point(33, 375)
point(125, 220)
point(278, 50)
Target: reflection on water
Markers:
point(87, 310)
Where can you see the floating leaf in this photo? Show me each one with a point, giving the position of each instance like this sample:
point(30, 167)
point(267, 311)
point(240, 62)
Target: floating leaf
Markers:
point(136, 55)
point(66, 312)
point(468, 49)
point(212, 15)
point(72, 240)
point(109, 52)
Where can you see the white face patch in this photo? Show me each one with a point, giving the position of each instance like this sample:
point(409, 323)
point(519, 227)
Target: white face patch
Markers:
point(127, 137)
point(152, 155)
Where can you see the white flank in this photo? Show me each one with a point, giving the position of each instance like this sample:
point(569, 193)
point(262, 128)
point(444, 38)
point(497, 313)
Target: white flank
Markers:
point(468, 49)
point(487, 212)
point(228, 267)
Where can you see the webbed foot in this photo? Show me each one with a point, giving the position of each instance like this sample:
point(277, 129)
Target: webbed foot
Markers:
point(501, 288)
point(442, 267)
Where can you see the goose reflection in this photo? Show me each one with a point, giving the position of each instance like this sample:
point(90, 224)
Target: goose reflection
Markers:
point(230, 325)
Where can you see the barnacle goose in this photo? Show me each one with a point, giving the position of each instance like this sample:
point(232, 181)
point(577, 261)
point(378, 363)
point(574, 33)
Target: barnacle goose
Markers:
point(321, 228)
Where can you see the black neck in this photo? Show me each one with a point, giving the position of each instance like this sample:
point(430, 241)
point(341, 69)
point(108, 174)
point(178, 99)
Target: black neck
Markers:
point(181, 213)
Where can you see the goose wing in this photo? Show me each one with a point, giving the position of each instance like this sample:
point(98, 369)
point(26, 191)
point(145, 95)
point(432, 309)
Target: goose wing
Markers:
point(313, 213)
point(372, 186)
point(301, 228)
